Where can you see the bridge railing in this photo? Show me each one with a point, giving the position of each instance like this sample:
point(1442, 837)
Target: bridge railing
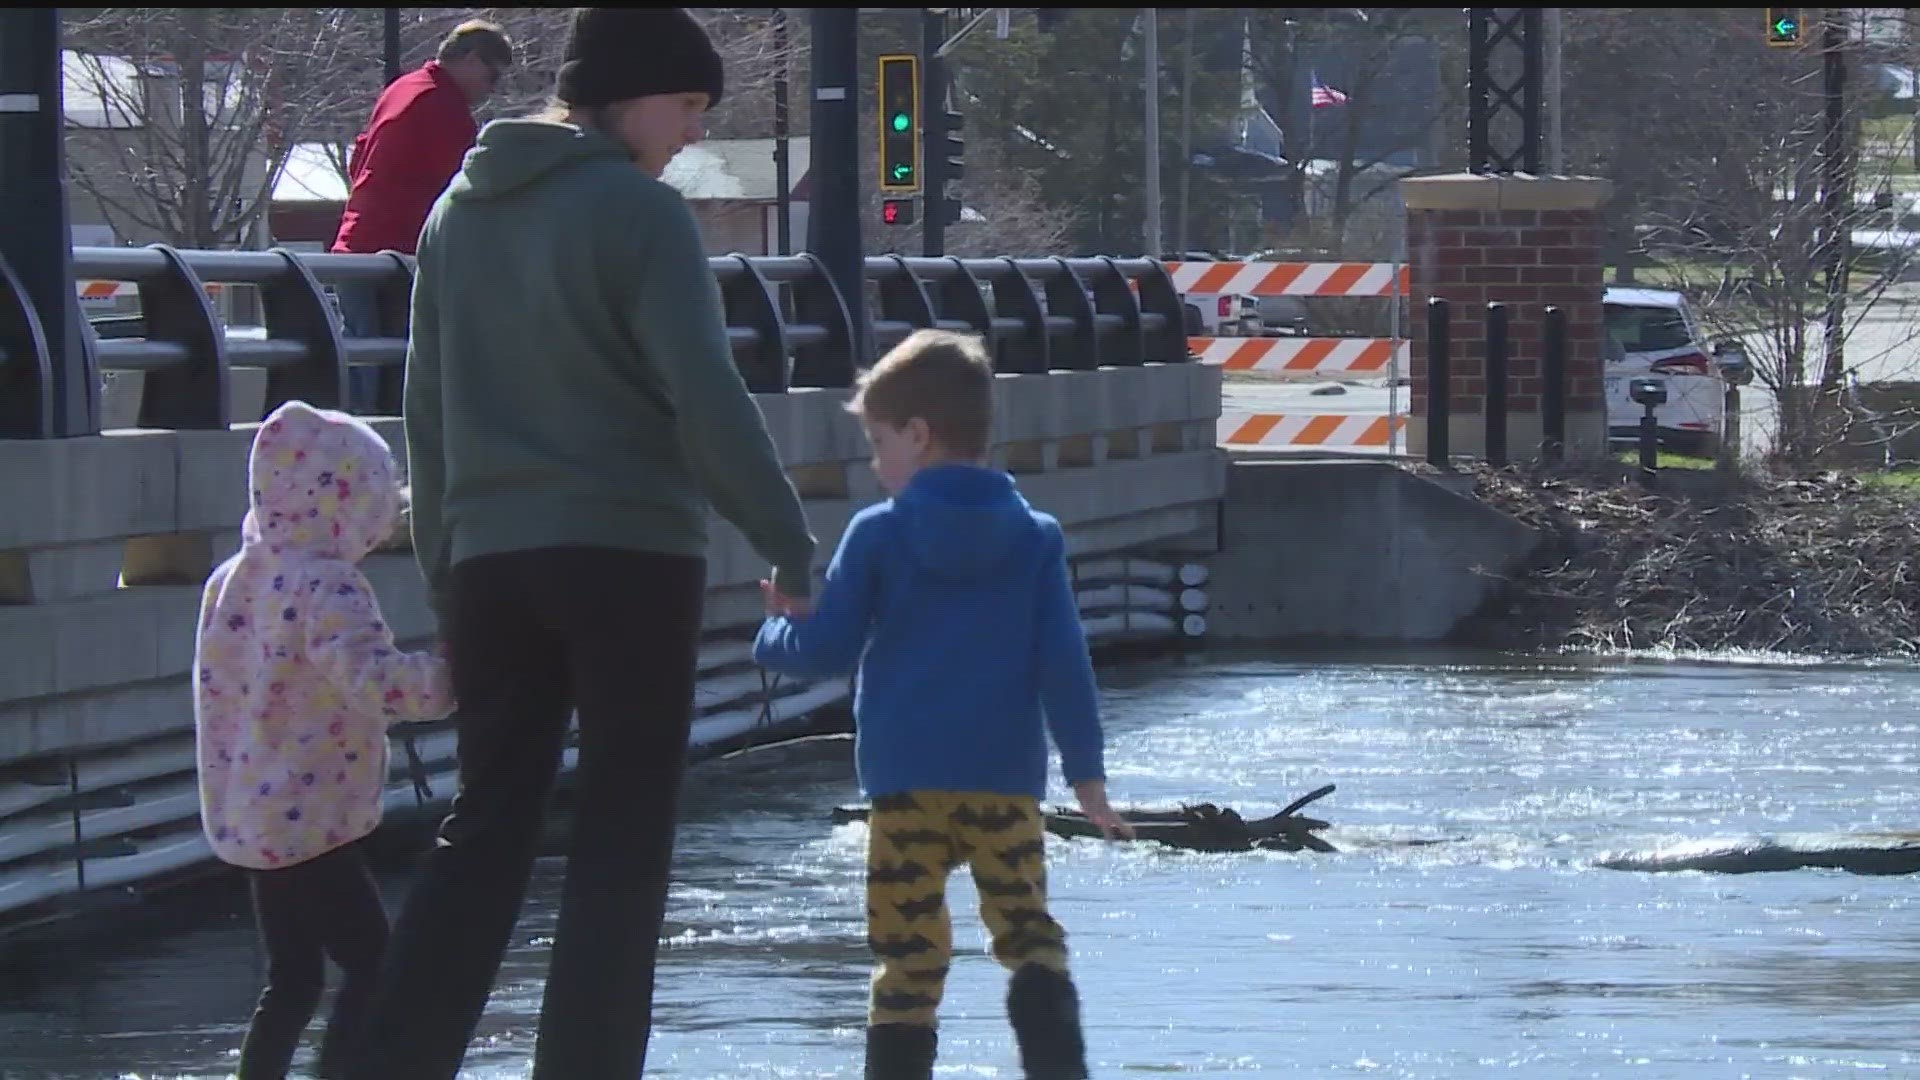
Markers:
point(788, 324)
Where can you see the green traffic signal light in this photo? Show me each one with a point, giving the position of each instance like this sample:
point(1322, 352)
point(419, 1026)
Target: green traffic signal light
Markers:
point(1784, 27)
point(900, 121)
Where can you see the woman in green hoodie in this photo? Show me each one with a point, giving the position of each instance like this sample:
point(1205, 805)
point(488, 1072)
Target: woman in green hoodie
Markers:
point(572, 408)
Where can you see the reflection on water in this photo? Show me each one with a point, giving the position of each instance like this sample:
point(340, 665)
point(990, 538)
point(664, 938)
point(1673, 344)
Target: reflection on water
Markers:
point(1499, 949)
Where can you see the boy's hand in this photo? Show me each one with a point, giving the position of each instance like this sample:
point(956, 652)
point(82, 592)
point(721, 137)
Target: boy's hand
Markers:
point(778, 604)
point(1093, 803)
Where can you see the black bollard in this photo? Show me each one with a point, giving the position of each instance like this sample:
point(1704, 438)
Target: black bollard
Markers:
point(1439, 381)
point(1496, 374)
point(1649, 394)
point(1553, 376)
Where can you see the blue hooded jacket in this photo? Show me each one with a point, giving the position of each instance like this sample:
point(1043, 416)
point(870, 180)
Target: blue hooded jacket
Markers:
point(954, 602)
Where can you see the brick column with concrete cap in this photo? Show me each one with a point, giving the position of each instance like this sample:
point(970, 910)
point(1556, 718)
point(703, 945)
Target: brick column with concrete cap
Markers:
point(1530, 242)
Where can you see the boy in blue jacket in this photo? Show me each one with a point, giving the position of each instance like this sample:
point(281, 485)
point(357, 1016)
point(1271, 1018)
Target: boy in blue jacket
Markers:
point(952, 600)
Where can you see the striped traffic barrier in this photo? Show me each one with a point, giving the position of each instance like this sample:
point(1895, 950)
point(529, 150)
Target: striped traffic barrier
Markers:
point(1300, 355)
point(1333, 431)
point(1288, 278)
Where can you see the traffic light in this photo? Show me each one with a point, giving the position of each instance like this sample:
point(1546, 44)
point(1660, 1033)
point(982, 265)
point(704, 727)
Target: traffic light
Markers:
point(900, 122)
point(1783, 27)
point(896, 211)
point(952, 148)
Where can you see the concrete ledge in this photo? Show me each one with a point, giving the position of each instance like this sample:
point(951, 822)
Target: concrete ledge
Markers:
point(127, 483)
point(97, 706)
point(1521, 191)
point(105, 541)
point(63, 491)
point(39, 575)
point(139, 634)
point(110, 717)
point(1353, 552)
point(1081, 498)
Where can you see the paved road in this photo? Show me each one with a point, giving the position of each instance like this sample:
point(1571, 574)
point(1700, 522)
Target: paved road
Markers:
point(1368, 398)
point(1882, 344)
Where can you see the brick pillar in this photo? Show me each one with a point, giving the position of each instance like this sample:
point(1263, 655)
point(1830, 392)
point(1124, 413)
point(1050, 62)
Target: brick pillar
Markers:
point(1528, 242)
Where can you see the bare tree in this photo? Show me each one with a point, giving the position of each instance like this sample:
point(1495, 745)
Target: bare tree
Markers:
point(1776, 224)
point(1001, 211)
point(746, 38)
point(1350, 136)
point(751, 45)
point(180, 119)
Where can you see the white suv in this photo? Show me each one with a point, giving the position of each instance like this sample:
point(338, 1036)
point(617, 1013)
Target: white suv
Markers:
point(1653, 333)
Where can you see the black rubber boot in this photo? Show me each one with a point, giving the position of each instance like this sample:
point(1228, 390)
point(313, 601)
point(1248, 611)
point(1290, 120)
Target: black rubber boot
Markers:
point(901, 1052)
point(1045, 1011)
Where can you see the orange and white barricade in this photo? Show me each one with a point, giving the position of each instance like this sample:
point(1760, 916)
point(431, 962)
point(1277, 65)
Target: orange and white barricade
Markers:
point(1288, 278)
point(1302, 356)
point(1303, 431)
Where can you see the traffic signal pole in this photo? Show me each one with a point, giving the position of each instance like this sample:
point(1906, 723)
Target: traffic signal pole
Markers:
point(1836, 193)
point(933, 94)
point(833, 218)
point(63, 399)
point(391, 33)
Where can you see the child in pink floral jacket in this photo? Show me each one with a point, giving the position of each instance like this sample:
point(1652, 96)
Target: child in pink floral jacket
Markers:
point(296, 680)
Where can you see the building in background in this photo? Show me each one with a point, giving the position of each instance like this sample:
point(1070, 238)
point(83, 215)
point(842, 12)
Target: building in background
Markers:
point(728, 182)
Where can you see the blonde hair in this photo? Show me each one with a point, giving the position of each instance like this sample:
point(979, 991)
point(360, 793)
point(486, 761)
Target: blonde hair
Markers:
point(477, 37)
point(938, 376)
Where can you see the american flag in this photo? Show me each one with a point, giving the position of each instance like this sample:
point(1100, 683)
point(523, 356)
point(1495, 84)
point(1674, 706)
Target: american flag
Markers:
point(1324, 95)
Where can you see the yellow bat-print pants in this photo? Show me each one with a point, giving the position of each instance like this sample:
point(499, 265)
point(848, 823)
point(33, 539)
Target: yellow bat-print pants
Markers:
point(914, 841)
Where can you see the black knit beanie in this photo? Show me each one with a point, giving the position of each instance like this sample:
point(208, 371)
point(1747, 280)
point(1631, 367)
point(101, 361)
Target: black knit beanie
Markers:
point(618, 53)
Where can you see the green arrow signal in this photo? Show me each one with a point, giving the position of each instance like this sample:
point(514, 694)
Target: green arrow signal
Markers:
point(1783, 27)
point(901, 172)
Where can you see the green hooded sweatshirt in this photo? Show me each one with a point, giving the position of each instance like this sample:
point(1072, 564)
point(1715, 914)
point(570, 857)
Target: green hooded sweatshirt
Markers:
point(569, 378)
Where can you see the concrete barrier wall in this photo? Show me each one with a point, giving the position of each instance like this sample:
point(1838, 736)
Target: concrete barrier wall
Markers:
point(104, 540)
point(1354, 552)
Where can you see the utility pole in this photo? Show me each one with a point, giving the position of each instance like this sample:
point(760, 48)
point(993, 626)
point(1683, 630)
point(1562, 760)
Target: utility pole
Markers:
point(1152, 17)
point(62, 400)
point(933, 120)
point(392, 36)
point(1913, 61)
point(1836, 183)
point(1556, 154)
point(1186, 139)
point(833, 217)
point(782, 178)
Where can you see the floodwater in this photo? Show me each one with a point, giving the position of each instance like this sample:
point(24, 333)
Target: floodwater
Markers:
point(1499, 951)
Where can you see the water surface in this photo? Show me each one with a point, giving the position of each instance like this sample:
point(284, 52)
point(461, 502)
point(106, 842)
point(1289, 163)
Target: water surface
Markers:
point(1500, 951)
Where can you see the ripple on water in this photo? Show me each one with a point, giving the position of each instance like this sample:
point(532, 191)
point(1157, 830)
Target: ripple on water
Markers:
point(1462, 929)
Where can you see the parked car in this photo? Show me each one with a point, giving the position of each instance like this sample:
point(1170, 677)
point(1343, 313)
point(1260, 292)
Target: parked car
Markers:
point(1652, 333)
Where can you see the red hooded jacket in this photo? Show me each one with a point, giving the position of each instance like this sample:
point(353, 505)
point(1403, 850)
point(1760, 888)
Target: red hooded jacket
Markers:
point(420, 131)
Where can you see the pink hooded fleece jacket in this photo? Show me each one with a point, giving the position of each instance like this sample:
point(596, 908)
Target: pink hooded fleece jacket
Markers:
point(296, 675)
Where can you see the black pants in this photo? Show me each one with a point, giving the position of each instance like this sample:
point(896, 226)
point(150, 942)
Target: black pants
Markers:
point(536, 635)
point(323, 907)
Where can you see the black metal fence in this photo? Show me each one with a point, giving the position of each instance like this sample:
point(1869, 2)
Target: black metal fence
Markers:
point(788, 323)
point(1553, 382)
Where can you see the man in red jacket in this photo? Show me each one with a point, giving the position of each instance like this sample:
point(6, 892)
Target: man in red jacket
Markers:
point(420, 130)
